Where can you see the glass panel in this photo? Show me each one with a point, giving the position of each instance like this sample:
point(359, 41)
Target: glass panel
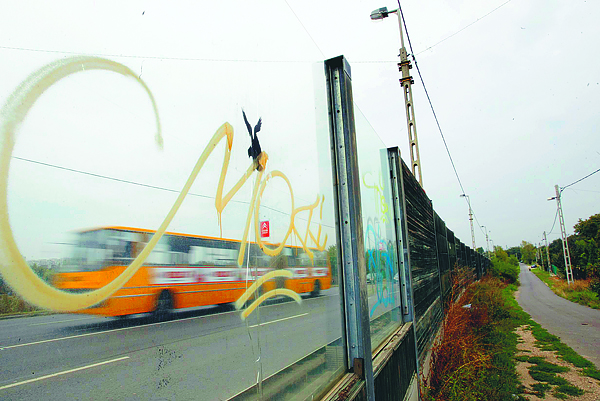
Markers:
point(242, 117)
point(379, 234)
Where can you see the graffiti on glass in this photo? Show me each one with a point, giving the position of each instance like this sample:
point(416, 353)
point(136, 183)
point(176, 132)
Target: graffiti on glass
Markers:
point(24, 281)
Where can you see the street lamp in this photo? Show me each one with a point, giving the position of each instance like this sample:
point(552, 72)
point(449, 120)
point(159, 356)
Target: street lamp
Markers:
point(487, 241)
point(406, 81)
point(470, 219)
point(547, 253)
point(563, 234)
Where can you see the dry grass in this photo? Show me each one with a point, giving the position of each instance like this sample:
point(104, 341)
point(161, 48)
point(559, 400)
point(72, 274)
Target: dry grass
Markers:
point(10, 304)
point(579, 291)
point(465, 363)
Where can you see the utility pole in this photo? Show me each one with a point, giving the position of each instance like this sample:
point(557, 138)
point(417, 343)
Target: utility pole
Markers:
point(471, 220)
point(547, 253)
point(487, 241)
point(406, 81)
point(563, 234)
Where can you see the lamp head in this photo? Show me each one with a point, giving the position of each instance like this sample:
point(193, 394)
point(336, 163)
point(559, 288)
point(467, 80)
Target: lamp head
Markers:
point(380, 13)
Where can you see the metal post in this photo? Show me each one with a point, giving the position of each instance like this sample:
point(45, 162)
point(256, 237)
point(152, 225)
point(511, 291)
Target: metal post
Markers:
point(470, 219)
point(487, 240)
point(565, 242)
point(406, 81)
point(548, 253)
point(400, 225)
point(349, 222)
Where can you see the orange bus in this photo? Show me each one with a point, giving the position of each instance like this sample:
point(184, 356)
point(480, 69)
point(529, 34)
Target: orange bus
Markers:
point(182, 271)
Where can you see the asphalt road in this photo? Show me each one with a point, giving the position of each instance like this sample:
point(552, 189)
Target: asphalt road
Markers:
point(577, 326)
point(203, 354)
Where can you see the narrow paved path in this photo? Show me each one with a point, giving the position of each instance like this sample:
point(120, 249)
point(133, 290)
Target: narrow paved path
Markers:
point(577, 326)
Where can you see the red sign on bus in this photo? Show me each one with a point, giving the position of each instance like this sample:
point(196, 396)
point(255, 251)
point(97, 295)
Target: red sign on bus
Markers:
point(264, 229)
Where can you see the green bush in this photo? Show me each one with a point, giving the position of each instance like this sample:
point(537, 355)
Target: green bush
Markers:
point(505, 271)
point(570, 390)
point(547, 377)
point(595, 286)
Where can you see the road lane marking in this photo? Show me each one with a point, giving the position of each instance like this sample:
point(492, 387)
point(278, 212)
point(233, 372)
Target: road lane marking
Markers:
point(146, 325)
point(63, 321)
point(63, 373)
point(278, 320)
point(106, 331)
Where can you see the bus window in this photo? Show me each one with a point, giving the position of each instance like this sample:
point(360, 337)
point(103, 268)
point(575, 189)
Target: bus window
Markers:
point(160, 253)
point(257, 257)
point(203, 255)
point(90, 253)
point(320, 258)
point(224, 257)
point(303, 258)
point(178, 258)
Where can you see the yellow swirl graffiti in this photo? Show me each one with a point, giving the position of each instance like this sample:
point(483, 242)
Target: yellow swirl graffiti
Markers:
point(23, 280)
point(13, 267)
point(378, 195)
point(273, 293)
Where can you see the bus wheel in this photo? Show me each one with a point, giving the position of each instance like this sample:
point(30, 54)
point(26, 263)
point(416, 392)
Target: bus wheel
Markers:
point(317, 289)
point(164, 305)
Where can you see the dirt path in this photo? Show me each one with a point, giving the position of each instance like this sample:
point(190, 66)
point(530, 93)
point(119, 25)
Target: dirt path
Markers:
point(527, 347)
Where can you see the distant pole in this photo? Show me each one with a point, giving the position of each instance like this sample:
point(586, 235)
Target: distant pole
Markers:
point(547, 253)
point(471, 220)
point(487, 240)
point(563, 234)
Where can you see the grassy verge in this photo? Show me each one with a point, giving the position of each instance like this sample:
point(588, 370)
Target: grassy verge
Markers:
point(25, 314)
point(11, 305)
point(578, 292)
point(475, 358)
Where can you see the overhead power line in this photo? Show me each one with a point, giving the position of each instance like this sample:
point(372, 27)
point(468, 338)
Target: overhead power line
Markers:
point(434, 114)
point(555, 216)
point(142, 184)
point(463, 28)
point(579, 180)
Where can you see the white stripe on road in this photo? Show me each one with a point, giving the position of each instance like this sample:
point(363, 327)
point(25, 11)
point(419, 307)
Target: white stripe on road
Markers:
point(62, 373)
point(148, 325)
point(104, 332)
point(278, 320)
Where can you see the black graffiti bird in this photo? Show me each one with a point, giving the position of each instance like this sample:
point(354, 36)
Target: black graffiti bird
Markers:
point(254, 149)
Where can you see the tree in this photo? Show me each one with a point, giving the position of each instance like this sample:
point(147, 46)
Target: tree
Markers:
point(332, 255)
point(500, 254)
point(589, 228)
point(514, 250)
point(586, 252)
point(527, 252)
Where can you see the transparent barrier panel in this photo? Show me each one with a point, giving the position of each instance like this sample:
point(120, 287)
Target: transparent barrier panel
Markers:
point(383, 285)
point(169, 200)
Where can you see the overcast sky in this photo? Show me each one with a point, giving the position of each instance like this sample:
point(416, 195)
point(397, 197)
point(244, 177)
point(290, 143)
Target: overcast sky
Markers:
point(515, 86)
